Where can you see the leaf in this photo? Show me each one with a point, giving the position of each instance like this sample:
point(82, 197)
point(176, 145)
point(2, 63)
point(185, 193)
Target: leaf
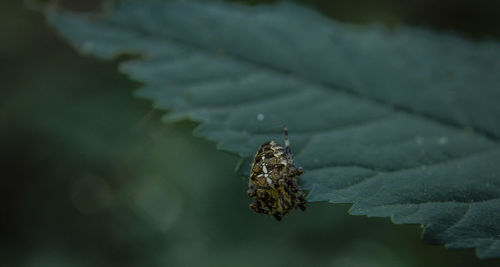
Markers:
point(403, 124)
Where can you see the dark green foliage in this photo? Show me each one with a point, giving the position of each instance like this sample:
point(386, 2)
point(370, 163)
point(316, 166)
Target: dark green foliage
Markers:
point(403, 124)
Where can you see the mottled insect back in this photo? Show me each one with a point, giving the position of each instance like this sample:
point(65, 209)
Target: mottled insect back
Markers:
point(273, 181)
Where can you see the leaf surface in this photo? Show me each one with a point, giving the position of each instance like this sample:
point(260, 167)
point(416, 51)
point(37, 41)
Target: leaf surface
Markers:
point(403, 124)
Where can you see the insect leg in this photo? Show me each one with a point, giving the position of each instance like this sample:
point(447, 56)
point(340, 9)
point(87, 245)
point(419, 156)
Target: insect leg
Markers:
point(251, 192)
point(257, 207)
point(277, 215)
point(287, 142)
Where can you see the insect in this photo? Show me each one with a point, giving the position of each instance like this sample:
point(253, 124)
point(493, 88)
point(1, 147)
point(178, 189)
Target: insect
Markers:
point(273, 180)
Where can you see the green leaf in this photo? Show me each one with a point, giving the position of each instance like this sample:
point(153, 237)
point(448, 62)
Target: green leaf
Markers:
point(403, 124)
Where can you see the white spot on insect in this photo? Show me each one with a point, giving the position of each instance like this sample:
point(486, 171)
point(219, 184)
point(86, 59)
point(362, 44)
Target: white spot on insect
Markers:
point(443, 140)
point(264, 169)
point(260, 117)
point(269, 181)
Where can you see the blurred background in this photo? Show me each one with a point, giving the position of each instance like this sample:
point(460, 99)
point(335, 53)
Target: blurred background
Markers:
point(91, 177)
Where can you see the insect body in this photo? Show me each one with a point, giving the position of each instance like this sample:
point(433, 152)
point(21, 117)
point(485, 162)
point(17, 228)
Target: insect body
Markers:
point(273, 181)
